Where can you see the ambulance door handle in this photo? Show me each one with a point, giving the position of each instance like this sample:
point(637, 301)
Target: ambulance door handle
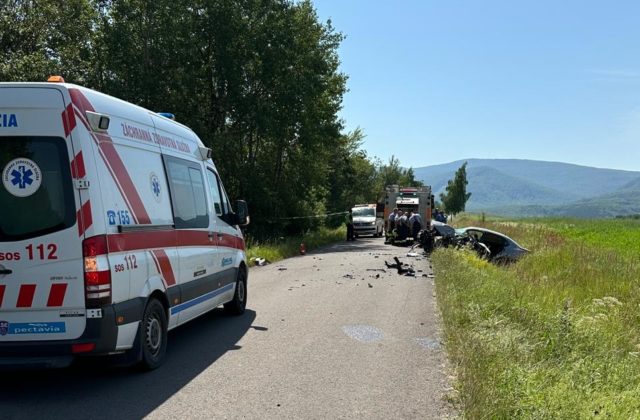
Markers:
point(211, 234)
point(6, 271)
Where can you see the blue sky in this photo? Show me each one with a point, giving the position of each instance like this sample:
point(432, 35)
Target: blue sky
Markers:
point(435, 81)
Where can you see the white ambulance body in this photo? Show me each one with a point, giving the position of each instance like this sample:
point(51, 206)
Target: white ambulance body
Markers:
point(114, 228)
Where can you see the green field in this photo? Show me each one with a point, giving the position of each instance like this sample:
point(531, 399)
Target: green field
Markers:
point(556, 335)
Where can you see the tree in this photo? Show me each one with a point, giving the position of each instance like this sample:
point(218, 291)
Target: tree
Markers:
point(353, 177)
point(42, 38)
point(456, 197)
point(393, 174)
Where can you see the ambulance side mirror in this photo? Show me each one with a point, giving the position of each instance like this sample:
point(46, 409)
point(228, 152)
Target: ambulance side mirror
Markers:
point(242, 213)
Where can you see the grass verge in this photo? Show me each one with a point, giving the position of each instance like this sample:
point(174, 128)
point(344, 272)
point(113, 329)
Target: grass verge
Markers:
point(278, 249)
point(556, 335)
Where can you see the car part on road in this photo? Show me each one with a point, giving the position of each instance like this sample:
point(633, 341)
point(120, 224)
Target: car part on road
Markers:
point(257, 261)
point(401, 267)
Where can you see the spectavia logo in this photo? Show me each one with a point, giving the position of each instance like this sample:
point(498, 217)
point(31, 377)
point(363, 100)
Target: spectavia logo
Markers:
point(21, 177)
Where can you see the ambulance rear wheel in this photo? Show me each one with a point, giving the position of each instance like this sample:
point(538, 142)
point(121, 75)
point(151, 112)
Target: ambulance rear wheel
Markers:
point(153, 335)
point(239, 302)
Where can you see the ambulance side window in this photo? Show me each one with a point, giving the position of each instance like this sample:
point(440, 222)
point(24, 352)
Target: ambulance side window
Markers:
point(225, 200)
point(188, 197)
point(215, 192)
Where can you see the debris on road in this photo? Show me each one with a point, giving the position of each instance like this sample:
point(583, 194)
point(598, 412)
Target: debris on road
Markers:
point(370, 285)
point(401, 267)
point(257, 261)
point(348, 276)
point(282, 268)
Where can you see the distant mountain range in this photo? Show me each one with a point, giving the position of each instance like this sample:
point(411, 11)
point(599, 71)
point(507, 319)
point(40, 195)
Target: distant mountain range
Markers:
point(515, 187)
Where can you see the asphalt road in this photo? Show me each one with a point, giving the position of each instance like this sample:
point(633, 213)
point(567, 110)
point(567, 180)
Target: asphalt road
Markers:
point(327, 335)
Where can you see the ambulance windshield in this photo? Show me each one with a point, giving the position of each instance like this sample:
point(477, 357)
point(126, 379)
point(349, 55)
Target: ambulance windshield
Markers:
point(364, 211)
point(36, 195)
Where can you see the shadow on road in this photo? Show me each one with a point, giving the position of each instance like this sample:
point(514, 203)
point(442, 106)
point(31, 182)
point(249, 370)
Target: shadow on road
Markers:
point(93, 390)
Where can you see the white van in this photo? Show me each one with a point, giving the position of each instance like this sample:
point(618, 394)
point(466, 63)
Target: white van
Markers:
point(367, 220)
point(114, 228)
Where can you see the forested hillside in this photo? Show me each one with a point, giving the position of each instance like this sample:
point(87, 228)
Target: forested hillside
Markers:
point(257, 80)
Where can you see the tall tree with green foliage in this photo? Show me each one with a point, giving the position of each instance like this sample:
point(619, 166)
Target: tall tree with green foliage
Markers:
point(258, 81)
point(456, 196)
point(353, 177)
point(393, 174)
point(43, 38)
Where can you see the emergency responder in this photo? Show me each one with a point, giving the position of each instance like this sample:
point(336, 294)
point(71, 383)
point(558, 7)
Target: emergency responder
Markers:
point(415, 221)
point(349, 221)
point(391, 224)
point(401, 226)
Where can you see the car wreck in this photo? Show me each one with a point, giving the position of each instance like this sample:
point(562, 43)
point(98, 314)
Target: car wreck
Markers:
point(494, 246)
point(488, 244)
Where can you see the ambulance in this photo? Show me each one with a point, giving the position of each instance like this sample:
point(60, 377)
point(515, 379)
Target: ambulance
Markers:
point(114, 228)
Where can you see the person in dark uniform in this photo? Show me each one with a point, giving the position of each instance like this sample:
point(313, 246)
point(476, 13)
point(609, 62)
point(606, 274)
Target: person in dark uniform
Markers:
point(415, 222)
point(349, 221)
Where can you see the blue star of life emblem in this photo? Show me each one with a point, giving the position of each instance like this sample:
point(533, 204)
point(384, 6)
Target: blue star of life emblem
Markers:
point(156, 187)
point(22, 177)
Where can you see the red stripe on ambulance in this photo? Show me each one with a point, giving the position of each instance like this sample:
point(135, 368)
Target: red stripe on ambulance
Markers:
point(165, 266)
point(113, 161)
point(2, 287)
point(56, 294)
point(25, 296)
point(84, 218)
point(229, 241)
point(132, 241)
point(120, 171)
point(68, 120)
point(77, 166)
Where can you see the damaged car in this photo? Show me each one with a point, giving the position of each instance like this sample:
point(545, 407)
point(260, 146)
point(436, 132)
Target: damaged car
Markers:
point(436, 234)
point(494, 246)
point(445, 232)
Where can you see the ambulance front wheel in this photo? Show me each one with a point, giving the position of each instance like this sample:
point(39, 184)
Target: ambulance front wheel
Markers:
point(153, 335)
point(239, 302)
